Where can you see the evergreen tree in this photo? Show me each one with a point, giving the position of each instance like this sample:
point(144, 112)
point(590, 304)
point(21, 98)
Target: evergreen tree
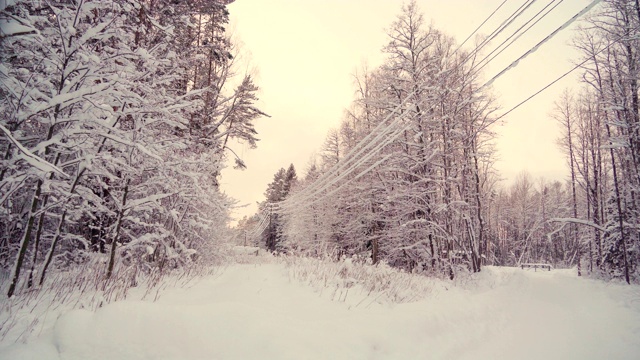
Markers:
point(277, 191)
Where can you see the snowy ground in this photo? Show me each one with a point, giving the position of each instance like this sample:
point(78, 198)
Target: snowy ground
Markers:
point(261, 312)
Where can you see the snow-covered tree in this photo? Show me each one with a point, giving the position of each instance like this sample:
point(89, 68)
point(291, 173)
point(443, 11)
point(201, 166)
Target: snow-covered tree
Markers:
point(605, 139)
point(105, 144)
point(423, 205)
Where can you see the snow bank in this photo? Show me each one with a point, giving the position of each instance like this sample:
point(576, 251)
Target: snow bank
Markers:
point(260, 312)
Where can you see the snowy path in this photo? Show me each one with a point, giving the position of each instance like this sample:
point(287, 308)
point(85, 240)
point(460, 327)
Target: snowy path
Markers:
point(257, 312)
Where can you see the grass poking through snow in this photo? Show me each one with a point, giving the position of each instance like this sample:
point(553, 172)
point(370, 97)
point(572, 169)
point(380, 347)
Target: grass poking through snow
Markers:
point(367, 283)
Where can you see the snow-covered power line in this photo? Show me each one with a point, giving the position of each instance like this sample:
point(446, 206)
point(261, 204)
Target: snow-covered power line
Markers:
point(502, 27)
point(309, 197)
point(361, 174)
point(543, 41)
point(384, 128)
point(260, 226)
point(387, 137)
point(479, 26)
point(562, 76)
point(517, 34)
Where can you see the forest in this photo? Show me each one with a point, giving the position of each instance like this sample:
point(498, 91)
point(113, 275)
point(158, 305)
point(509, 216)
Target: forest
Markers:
point(399, 239)
point(117, 119)
point(408, 179)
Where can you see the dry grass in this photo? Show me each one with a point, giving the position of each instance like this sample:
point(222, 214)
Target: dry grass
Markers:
point(86, 287)
point(377, 283)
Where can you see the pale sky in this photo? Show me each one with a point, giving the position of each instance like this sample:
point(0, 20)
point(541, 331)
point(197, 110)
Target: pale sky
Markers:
point(305, 53)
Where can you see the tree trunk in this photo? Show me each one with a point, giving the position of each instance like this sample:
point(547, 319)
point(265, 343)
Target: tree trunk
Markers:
point(36, 244)
point(75, 183)
point(478, 206)
point(114, 242)
point(24, 243)
point(619, 207)
point(54, 242)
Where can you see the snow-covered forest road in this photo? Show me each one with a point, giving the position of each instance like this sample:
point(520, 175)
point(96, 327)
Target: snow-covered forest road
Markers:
point(262, 312)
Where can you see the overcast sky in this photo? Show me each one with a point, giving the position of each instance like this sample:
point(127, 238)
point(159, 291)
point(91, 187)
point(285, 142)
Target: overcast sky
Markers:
point(304, 54)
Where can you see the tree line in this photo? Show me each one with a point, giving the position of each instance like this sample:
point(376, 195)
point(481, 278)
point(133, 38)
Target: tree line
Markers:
point(435, 203)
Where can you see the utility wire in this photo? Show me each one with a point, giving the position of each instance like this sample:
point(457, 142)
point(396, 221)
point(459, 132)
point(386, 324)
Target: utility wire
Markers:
point(505, 24)
point(559, 78)
point(549, 37)
point(479, 67)
point(479, 26)
point(389, 140)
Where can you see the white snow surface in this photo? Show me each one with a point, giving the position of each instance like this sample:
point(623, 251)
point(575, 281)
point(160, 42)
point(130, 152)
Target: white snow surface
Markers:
point(260, 312)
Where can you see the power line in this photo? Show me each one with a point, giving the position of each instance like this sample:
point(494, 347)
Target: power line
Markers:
point(395, 130)
point(505, 24)
point(363, 160)
point(260, 226)
point(558, 79)
point(479, 26)
point(547, 38)
point(361, 174)
point(479, 67)
point(344, 164)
